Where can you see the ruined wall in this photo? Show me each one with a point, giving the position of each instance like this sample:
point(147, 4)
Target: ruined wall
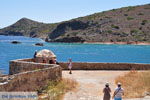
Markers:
point(22, 65)
point(105, 66)
point(32, 80)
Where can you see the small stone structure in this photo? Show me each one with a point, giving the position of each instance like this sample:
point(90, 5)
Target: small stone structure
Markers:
point(30, 75)
point(45, 56)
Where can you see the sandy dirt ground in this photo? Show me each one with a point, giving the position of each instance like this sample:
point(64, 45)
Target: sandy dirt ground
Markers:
point(91, 84)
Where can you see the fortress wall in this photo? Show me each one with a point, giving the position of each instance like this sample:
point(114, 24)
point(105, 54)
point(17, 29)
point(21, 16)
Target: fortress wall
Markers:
point(22, 65)
point(32, 80)
point(105, 66)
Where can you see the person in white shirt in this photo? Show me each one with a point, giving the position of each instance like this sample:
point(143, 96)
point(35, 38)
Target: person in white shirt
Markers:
point(119, 92)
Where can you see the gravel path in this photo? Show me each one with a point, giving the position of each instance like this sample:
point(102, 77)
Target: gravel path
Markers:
point(91, 84)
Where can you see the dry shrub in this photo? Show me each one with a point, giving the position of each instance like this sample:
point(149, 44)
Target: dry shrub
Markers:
point(56, 89)
point(135, 83)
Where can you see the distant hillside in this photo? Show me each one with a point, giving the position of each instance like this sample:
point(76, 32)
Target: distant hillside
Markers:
point(27, 27)
point(117, 25)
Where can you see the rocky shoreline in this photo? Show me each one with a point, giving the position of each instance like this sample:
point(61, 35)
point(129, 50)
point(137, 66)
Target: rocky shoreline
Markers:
point(130, 43)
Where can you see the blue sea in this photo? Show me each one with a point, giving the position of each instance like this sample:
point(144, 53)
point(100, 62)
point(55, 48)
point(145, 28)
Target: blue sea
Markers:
point(78, 52)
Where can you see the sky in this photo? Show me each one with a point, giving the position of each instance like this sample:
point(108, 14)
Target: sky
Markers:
point(51, 11)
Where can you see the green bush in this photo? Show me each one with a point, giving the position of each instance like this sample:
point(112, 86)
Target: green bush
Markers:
point(130, 8)
point(109, 31)
point(140, 14)
point(134, 31)
point(125, 14)
point(144, 22)
point(114, 26)
point(130, 18)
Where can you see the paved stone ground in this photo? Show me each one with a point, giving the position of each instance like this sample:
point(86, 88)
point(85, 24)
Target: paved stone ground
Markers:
point(91, 84)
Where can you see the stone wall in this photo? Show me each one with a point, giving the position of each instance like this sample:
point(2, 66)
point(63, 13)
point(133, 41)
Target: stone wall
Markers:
point(22, 65)
point(105, 66)
point(32, 80)
point(27, 75)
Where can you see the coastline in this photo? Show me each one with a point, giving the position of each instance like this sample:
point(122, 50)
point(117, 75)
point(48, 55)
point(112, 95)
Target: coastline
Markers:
point(122, 43)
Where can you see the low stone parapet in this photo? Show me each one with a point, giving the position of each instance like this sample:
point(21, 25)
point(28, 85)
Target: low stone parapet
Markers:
point(28, 75)
point(105, 66)
point(22, 65)
point(32, 80)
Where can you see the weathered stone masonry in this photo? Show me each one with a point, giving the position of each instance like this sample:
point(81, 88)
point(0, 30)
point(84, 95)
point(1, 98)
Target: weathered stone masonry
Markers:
point(26, 75)
point(105, 66)
point(23, 65)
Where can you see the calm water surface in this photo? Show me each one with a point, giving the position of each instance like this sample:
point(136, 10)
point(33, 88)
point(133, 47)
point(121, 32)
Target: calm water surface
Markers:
point(78, 52)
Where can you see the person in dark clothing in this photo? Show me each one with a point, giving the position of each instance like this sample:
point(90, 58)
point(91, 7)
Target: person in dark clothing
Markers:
point(35, 54)
point(57, 62)
point(53, 62)
point(50, 62)
point(106, 92)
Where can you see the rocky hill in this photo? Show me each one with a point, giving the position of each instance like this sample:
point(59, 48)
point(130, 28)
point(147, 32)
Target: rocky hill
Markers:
point(27, 27)
point(117, 25)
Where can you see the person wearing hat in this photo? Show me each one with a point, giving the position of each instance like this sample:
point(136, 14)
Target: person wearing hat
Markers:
point(118, 92)
point(106, 92)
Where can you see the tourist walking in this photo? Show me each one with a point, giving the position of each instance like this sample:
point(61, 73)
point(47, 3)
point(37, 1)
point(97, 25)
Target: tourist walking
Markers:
point(118, 92)
point(70, 66)
point(106, 92)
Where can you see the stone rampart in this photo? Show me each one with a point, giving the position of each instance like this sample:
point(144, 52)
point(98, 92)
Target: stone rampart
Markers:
point(105, 66)
point(22, 65)
point(32, 80)
point(27, 75)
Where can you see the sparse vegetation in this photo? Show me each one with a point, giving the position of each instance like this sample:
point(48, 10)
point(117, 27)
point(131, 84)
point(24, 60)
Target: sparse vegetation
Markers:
point(140, 28)
point(114, 26)
point(144, 22)
point(140, 14)
point(33, 27)
point(130, 18)
point(130, 8)
point(136, 84)
point(101, 24)
point(56, 89)
point(74, 33)
point(125, 14)
point(134, 31)
point(113, 10)
point(147, 8)
point(109, 31)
